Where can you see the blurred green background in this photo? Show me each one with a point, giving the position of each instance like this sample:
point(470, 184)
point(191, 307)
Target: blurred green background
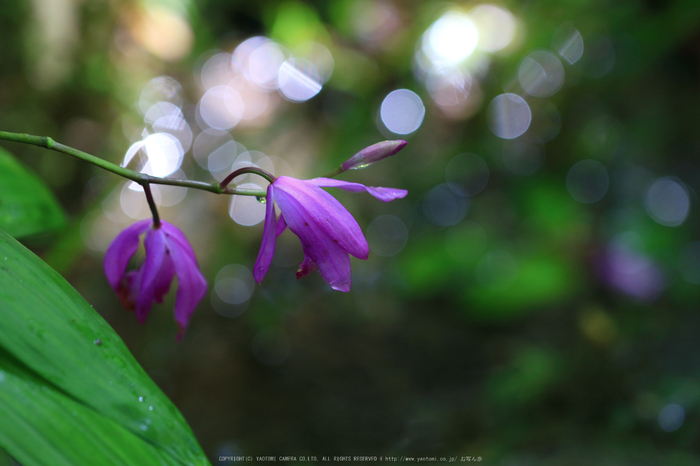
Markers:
point(533, 300)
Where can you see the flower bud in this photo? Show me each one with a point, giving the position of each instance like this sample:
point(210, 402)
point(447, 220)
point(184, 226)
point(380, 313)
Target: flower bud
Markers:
point(373, 153)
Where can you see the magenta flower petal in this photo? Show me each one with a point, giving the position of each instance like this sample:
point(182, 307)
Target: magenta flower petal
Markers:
point(314, 208)
point(191, 286)
point(164, 277)
point(121, 250)
point(383, 194)
point(333, 263)
point(267, 248)
point(155, 251)
point(320, 249)
point(168, 253)
point(281, 225)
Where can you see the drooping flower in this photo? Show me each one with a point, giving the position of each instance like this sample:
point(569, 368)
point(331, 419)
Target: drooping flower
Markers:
point(327, 231)
point(168, 253)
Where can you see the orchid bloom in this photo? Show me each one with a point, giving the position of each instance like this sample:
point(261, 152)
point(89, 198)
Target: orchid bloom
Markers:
point(168, 253)
point(327, 231)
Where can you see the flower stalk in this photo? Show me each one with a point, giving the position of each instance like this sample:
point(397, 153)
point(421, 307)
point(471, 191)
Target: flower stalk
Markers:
point(140, 178)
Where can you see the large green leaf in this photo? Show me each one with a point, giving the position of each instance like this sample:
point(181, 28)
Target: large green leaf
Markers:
point(70, 391)
point(27, 207)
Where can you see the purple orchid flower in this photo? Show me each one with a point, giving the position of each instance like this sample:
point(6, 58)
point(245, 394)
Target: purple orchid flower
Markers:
point(327, 231)
point(168, 253)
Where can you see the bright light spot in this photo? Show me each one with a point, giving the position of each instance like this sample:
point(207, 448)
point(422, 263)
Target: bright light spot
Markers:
point(667, 201)
point(161, 109)
point(443, 207)
point(541, 74)
point(160, 89)
point(495, 26)
point(263, 64)
point(522, 156)
point(255, 102)
point(233, 286)
point(163, 32)
point(223, 157)
point(247, 210)
point(387, 235)
point(319, 57)
point(207, 142)
point(163, 153)
point(587, 181)
point(467, 174)
point(402, 111)
point(689, 262)
point(448, 86)
point(177, 127)
point(239, 58)
point(133, 202)
point(671, 417)
point(497, 269)
point(450, 39)
point(216, 71)
point(509, 116)
point(297, 81)
point(271, 346)
point(567, 41)
point(170, 195)
point(221, 107)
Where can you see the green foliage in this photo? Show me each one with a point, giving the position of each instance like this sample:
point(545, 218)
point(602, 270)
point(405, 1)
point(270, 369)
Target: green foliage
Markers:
point(69, 388)
point(27, 207)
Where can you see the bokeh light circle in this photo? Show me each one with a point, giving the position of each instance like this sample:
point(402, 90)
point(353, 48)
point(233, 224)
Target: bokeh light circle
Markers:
point(402, 111)
point(508, 116)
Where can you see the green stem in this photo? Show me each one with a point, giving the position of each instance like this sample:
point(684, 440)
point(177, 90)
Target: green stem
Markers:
point(255, 170)
point(334, 173)
point(140, 178)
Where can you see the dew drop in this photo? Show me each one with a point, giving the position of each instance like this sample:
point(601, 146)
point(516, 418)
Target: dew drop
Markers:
point(364, 165)
point(98, 342)
point(140, 399)
point(150, 408)
point(261, 199)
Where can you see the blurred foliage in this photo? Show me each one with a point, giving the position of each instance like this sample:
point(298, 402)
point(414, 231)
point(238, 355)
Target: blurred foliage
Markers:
point(503, 334)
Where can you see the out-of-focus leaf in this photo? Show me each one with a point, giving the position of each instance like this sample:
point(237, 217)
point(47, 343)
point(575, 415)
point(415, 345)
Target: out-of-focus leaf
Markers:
point(27, 207)
point(540, 280)
point(70, 391)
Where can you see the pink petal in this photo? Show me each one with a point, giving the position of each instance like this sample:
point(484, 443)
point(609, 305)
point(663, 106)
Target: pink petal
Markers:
point(121, 250)
point(267, 248)
point(164, 277)
point(281, 225)
point(383, 194)
point(155, 251)
point(174, 233)
point(319, 248)
point(191, 285)
point(315, 209)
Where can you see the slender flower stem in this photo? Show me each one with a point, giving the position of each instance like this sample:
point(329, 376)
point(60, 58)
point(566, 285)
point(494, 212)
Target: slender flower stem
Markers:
point(140, 178)
point(152, 205)
point(334, 173)
point(258, 171)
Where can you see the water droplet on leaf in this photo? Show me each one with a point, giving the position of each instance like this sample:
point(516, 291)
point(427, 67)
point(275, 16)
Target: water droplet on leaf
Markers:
point(261, 199)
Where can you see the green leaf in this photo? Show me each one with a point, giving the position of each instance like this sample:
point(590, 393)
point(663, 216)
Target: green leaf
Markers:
point(27, 207)
point(70, 391)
